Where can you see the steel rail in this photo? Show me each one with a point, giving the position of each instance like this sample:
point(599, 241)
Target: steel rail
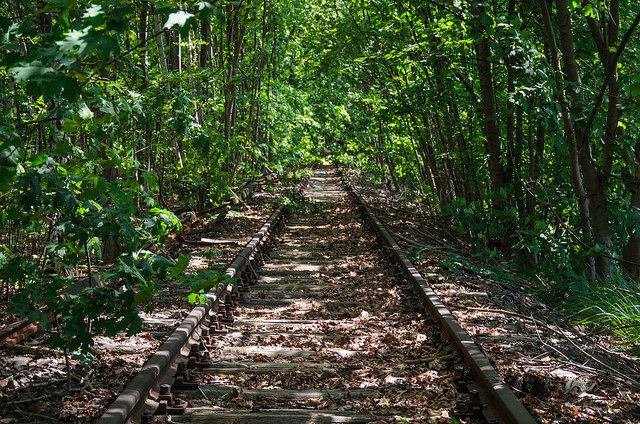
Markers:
point(132, 400)
point(503, 404)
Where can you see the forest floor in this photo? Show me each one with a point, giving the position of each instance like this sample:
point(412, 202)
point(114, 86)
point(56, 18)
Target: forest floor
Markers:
point(33, 376)
point(563, 373)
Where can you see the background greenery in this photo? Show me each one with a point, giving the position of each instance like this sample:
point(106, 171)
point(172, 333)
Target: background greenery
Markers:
point(519, 120)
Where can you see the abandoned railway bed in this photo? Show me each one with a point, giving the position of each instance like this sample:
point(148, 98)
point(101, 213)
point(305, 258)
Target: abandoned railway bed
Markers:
point(325, 324)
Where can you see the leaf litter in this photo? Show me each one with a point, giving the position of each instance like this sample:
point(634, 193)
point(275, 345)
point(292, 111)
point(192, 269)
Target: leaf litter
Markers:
point(563, 373)
point(366, 328)
point(33, 384)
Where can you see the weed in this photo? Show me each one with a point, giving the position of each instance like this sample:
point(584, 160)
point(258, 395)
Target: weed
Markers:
point(299, 204)
point(615, 306)
point(458, 265)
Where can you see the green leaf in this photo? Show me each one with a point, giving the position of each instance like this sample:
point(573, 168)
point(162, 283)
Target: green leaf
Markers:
point(179, 18)
point(79, 40)
point(199, 297)
point(142, 296)
point(160, 264)
point(107, 107)
point(589, 11)
point(181, 264)
point(84, 112)
point(93, 11)
point(9, 158)
point(25, 71)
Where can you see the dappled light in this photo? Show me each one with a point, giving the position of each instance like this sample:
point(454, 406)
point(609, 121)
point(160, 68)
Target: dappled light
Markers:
point(293, 211)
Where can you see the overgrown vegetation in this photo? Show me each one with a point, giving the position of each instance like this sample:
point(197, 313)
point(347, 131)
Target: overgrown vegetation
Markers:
point(114, 116)
point(519, 120)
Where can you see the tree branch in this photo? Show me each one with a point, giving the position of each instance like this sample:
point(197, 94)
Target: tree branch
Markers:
point(608, 76)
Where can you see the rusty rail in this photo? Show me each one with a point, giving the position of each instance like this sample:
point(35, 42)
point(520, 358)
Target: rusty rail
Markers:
point(501, 403)
point(18, 331)
point(133, 399)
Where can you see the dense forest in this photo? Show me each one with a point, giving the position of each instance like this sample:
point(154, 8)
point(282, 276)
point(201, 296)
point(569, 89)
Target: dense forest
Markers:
point(516, 120)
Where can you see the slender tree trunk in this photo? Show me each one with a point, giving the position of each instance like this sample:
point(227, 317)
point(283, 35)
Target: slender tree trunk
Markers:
point(205, 47)
point(492, 135)
point(235, 38)
point(516, 153)
point(466, 156)
point(595, 181)
point(385, 158)
point(631, 178)
point(514, 126)
point(446, 146)
point(423, 162)
point(160, 43)
point(430, 154)
point(491, 130)
point(569, 133)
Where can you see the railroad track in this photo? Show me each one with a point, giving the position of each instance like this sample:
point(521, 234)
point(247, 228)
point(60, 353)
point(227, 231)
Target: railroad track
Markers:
point(332, 329)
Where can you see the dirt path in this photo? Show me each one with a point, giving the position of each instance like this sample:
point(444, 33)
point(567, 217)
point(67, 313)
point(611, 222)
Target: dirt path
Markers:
point(329, 333)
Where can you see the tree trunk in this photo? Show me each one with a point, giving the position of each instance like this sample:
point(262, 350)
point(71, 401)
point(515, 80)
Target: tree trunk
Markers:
point(491, 130)
point(205, 47)
point(483, 54)
point(631, 251)
point(595, 181)
point(569, 133)
point(160, 43)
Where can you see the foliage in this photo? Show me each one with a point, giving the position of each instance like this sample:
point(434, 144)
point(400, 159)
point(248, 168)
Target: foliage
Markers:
point(77, 227)
point(299, 204)
point(485, 265)
point(616, 307)
point(115, 117)
point(116, 113)
point(405, 103)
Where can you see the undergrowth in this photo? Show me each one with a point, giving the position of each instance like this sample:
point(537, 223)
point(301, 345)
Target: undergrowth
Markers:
point(558, 277)
point(485, 266)
point(615, 306)
point(299, 204)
